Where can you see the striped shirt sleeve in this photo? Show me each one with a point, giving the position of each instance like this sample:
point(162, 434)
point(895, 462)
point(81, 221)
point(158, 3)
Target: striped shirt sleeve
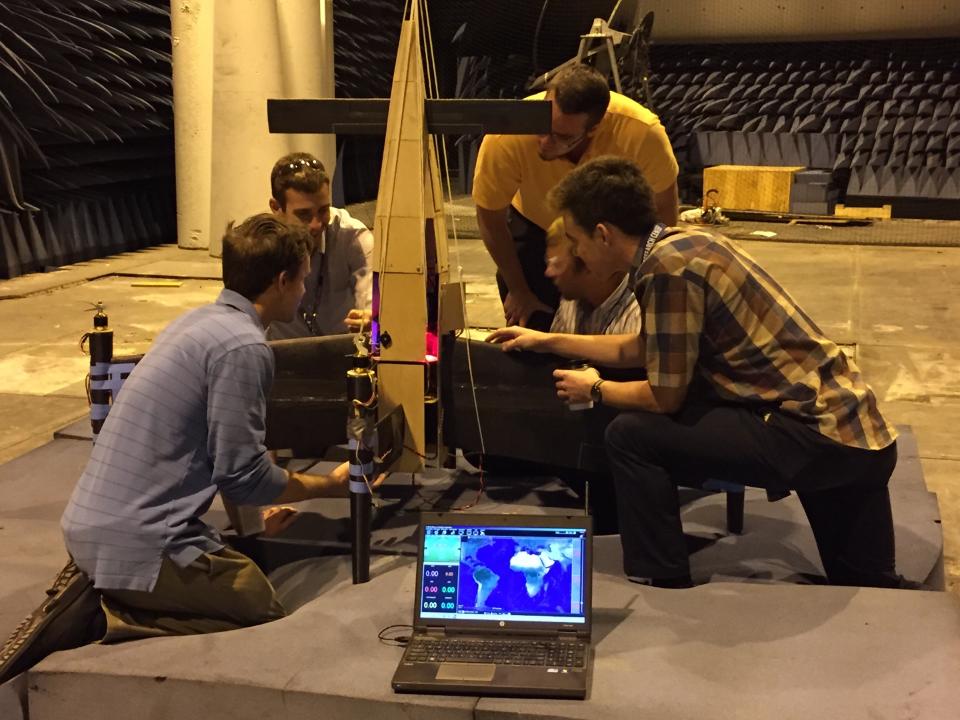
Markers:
point(236, 408)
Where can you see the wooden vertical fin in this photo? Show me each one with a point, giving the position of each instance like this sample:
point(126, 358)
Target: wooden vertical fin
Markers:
point(408, 198)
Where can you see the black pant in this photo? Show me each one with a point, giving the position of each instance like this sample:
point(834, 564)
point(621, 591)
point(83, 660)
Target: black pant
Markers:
point(531, 241)
point(843, 490)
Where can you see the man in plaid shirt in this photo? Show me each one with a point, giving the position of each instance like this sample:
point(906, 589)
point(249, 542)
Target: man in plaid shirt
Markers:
point(741, 386)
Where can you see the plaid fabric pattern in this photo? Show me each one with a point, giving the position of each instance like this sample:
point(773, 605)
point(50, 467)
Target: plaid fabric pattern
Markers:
point(711, 313)
point(619, 314)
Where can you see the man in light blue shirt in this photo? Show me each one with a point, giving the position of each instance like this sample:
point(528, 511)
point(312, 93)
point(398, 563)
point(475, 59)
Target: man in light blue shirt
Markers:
point(189, 422)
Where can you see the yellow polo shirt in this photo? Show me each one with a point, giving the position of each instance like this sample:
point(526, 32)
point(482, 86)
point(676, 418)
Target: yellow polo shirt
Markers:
point(509, 170)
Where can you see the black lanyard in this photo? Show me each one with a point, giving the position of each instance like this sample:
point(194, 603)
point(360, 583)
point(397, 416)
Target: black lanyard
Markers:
point(644, 252)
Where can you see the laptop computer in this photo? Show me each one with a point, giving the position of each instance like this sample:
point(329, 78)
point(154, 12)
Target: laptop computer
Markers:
point(502, 607)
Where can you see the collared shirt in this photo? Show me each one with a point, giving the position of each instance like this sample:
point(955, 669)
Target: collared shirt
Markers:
point(509, 168)
point(189, 421)
point(711, 313)
point(340, 279)
point(619, 314)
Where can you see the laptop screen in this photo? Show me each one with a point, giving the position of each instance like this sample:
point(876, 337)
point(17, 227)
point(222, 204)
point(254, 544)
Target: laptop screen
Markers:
point(500, 573)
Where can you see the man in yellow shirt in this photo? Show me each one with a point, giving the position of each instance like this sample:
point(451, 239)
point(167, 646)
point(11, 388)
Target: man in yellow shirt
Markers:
point(514, 173)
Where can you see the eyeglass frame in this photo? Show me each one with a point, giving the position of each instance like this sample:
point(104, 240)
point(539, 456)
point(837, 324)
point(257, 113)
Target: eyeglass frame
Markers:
point(557, 139)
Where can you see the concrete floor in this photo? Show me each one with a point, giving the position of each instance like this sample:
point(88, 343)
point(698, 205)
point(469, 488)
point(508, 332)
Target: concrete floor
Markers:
point(896, 306)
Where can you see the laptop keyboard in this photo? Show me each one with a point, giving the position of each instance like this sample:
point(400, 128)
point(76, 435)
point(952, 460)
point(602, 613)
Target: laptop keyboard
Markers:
point(549, 653)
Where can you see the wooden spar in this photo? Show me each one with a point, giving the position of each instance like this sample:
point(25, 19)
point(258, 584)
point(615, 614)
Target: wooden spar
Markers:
point(409, 216)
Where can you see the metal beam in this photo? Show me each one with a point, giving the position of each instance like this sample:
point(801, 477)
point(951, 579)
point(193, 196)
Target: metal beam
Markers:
point(369, 117)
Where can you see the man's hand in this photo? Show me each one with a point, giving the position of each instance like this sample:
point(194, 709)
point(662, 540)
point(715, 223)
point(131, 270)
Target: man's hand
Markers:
point(358, 320)
point(573, 386)
point(519, 338)
point(276, 519)
point(340, 480)
point(519, 306)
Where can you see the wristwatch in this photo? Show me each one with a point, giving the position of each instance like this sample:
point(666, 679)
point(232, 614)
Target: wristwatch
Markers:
point(595, 393)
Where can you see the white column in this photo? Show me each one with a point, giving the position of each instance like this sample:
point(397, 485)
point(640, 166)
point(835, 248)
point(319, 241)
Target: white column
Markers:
point(306, 58)
point(246, 71)
point(192, 28)
point(230, 56)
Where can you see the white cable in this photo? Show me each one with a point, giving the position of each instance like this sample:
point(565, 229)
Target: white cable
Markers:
point(456, 243)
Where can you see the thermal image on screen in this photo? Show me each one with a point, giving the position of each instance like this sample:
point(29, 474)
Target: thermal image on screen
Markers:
point(502, 573)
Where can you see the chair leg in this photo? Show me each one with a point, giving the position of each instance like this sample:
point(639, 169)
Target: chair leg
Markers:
point(735, 512)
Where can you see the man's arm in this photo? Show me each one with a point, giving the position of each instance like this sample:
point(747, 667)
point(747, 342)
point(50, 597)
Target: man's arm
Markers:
point(307, 487)
point(640, 395)
point(237, 389)
point(495, 232)
point(574, 386)
point(667, 204)
point(360, 262)
point(607, 350)
point(359, 243)
point(496, 236)
point(652, 151)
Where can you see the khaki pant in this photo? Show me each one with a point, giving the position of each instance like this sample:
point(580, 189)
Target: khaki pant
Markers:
point(218, 591)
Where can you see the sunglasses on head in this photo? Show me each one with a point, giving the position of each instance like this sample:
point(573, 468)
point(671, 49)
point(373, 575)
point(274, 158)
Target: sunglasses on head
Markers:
point(296, 166)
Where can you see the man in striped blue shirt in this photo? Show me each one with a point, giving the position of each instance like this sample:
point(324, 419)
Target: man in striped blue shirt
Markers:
point(589, 304)
point(189, 422)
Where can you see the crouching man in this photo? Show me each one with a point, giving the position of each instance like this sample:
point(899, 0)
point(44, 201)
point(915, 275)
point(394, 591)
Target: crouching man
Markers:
point(741, 386)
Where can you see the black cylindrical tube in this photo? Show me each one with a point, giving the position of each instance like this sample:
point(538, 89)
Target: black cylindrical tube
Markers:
point(360, 536)
point(361, 415)
point(101, 355)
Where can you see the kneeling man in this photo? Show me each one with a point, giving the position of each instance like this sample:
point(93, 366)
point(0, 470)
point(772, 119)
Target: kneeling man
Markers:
point(189, 422)
point(741, 385)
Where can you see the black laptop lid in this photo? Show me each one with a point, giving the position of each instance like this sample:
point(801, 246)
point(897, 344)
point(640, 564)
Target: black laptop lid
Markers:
point(503, 573)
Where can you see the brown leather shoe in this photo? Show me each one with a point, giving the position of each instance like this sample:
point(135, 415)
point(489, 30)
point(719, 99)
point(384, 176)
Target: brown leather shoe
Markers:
point(70, 617)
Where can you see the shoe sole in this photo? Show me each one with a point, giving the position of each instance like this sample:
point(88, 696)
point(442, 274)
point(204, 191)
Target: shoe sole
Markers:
point(20, 642)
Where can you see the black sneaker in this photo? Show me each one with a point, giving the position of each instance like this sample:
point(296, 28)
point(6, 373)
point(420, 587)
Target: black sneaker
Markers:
point(71, 616)
point(915, 585)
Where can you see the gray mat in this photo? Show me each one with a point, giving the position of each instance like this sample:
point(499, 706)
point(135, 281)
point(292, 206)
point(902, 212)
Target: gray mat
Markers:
point(776, 546)
point(724, 650)
point(753, 648)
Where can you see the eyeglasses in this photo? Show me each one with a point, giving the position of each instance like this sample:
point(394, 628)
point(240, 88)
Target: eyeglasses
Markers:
point(566, 140)
point(295, 166)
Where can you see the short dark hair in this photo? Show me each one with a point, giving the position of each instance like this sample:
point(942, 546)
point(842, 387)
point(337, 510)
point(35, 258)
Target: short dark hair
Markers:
point(607, 189)
point(257, 250)
point(581, 89)
point(296, 171)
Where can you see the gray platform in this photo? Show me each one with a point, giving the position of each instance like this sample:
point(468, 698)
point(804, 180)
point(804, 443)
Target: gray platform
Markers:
point(722, 650)
point(777, 544)
point(760, 639)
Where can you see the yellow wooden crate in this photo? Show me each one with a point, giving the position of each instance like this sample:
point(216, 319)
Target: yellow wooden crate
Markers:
point(881, 213)
point(750, 187)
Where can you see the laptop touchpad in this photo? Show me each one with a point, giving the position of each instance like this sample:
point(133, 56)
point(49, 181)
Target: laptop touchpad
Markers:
point(477, 672)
